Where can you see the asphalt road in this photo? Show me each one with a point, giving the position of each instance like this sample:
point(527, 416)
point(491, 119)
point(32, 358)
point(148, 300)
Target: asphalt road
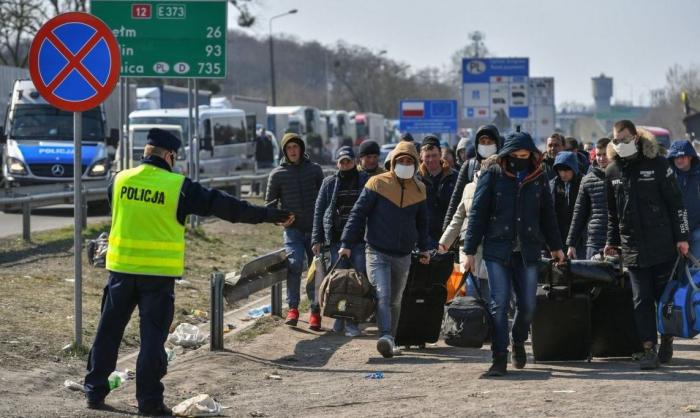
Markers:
point(42, 219)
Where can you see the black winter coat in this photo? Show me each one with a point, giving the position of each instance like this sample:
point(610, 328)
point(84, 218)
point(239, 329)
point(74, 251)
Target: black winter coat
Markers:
point(646, 217)
point(591, 211)
point(296, 187)
point(438, 194)
point(563, 208)
point(504, 214)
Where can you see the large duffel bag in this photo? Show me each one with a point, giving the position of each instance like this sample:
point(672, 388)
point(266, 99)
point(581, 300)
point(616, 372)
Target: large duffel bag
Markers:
point(679, 308)
point(346, 293)
point(467, 321)
point(423, 301)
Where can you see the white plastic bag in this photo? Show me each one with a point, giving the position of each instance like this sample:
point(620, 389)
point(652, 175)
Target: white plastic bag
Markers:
point(199, 406)
point(187, 335)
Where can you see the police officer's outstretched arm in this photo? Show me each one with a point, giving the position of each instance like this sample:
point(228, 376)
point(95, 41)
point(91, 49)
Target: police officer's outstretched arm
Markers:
point(196, 199)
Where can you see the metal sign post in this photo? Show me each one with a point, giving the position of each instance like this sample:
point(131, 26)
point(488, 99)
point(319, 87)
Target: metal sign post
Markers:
point(78, 227)
point(74, 63)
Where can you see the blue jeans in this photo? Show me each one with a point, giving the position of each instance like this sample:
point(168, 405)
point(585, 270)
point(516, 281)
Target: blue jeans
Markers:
point(523, 279)
point(591, 251)
point(297, 244)
point(388, 273)
point(694, 241)
point(357, 257)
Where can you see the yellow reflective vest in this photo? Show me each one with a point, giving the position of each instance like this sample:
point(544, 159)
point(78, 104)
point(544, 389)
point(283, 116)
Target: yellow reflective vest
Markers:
point(146, 238)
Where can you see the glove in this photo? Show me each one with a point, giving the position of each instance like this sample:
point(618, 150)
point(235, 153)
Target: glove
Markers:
point(277, 216)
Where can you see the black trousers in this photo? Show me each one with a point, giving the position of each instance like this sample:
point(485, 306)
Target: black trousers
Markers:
point(155, 297)
point(648, 284)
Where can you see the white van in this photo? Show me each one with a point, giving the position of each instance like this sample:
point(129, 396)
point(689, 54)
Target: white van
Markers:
point(224, 145)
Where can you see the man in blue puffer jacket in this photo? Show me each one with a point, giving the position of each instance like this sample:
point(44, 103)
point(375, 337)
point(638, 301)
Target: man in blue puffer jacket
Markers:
point(686, 165)
point(393, 207)
point(512, 217)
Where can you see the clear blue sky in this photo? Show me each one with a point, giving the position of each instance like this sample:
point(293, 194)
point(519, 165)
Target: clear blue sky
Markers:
point(634, 41)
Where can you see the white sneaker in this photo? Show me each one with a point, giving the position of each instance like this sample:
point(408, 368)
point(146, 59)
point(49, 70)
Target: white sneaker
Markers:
point(385, 346)
point(352, 333)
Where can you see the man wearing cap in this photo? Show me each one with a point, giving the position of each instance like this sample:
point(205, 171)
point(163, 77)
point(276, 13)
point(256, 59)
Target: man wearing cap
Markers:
point(336, 198)
point(439, 180)
point(294, 186)
point(369, 158)
point(146, 254)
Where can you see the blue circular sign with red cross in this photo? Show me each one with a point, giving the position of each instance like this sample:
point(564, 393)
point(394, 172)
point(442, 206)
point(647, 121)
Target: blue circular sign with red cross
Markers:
point(74, 61)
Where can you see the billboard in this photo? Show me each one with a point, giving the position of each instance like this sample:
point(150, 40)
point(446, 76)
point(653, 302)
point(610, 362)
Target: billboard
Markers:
point(428, 116)
point(495, 85)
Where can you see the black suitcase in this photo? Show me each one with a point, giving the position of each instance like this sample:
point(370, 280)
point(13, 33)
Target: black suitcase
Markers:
point(614, 332)
point(423, 302)
point(561, 328)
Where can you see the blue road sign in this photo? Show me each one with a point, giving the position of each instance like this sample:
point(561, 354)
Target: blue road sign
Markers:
point(491, 85)
point(428, 116)
point(74, 61)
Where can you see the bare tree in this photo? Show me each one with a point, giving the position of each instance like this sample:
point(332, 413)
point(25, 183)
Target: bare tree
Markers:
point(21, 20)
point(668, 110)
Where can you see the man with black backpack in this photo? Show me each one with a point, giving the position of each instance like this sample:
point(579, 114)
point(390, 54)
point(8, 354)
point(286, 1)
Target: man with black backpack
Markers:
point(647, 220)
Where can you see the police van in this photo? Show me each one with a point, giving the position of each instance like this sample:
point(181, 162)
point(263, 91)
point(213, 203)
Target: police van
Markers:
point(224, 143)
point(37, 141)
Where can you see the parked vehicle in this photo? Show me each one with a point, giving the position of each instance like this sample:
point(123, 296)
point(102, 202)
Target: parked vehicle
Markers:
point(224, 143)
point(369, 126)
point(303, 120)
point(167, 97)
point(37, 141)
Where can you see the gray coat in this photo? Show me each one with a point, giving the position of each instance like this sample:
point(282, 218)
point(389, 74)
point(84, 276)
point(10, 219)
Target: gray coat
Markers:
point(296, 187)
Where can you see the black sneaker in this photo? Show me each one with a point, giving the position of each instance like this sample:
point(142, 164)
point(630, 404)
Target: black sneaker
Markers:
point(519, 357)
point(498, 367)
point(666, 349)
point(159, 411)
point(650, 360)
point(96, 404)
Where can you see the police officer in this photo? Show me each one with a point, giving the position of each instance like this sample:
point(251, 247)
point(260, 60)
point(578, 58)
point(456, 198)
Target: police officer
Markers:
point(146, 254)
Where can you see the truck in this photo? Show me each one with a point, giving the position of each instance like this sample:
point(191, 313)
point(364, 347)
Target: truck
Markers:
point(303, 120)
point(223, 141)
point(341, 129)
point(167, 97)
point(369, 126)
point(37, 141)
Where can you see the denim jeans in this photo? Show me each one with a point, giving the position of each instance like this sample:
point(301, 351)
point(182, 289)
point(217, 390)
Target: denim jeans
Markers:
point(523, 279)
point(297, 244)
point(591, 251)
point(694, 241)
point(647, 286)
point(388, 273)
point(357, 257)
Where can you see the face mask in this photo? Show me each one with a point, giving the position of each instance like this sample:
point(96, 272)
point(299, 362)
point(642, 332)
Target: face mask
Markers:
point(625, 150)
point(404, 171)
point(486, 150)
point(519, 164)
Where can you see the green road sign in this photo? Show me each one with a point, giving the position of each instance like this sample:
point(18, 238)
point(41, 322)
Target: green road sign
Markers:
point(168, 39)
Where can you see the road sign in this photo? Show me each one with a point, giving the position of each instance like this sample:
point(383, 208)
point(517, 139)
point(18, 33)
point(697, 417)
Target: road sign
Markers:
point(493, 84)
point(74, 61)
point(168, 39)
point(428, 116)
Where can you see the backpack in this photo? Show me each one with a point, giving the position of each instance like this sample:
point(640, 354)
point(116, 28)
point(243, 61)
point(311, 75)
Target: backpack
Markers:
point(346, 293)
point(678, 313)
point(467, 321)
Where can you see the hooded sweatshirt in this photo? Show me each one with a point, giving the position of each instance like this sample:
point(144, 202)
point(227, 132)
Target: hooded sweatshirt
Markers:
point(295, 187)
point(390, 212)
point(688, 181)
point(565, 194)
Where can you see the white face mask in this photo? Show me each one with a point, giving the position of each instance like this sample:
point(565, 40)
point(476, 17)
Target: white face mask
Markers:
point(404, 171)
point(625, 150)
point(486, 150)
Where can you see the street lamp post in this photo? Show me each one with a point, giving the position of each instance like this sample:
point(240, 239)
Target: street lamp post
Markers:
point(272, 56)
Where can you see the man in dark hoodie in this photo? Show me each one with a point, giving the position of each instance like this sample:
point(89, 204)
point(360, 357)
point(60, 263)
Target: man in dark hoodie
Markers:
point(439, 180)
point(512, 218)
point(686, 165)
point(564, 192)
point(294, 186)
point(591, 210)
point(647, 220)
point(487, 144)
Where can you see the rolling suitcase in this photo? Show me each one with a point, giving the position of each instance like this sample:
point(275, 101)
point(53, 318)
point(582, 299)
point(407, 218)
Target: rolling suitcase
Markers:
point(613, 330)
point(423, 302)
point(561, 327)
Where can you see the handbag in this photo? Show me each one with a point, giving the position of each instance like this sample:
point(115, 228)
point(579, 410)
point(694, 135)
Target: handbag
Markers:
point(347, 293)
point(467, 321)
point(678, 313)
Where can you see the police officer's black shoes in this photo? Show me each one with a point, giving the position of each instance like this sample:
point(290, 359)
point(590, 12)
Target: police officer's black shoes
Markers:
point(649, 360)
point(498, 367)
point(159, 411)
point(666, 349)
point(518, 357)
point(96, 404)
